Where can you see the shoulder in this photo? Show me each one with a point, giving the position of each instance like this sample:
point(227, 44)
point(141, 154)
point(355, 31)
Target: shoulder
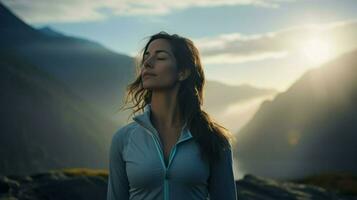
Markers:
point(122, 134)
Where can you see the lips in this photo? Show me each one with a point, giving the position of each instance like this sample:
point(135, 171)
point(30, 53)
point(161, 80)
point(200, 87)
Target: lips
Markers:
point(147, 74)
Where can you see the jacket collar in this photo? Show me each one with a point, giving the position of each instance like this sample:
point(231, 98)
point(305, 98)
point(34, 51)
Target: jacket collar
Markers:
point(144, 120)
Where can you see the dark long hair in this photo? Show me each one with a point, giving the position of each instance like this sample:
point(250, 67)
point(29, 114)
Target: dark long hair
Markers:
point(211, 137)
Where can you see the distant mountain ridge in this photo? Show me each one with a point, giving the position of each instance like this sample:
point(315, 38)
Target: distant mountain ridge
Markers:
point(215, 91)
point(50, 32)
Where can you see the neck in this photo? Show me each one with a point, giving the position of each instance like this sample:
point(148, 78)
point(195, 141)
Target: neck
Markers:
point(165, 111)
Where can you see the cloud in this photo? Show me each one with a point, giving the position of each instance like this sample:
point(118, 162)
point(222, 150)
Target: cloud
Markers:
point(42, 11)
point(239, 48)
point(235, 59)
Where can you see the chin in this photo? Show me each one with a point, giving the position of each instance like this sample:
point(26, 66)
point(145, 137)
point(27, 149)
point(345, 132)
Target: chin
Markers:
point(148, 86)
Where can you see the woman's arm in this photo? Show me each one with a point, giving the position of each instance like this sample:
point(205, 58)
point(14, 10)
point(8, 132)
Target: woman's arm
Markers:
point(221, 182)
point(118, 185)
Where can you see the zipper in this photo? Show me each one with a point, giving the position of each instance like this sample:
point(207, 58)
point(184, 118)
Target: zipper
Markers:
point(161, 154)
point(158, 146)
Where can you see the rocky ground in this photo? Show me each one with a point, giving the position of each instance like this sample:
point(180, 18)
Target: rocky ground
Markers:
point(84, 184)
point(258, 188)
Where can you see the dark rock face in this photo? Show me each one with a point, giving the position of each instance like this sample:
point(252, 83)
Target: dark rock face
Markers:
point(84, 184)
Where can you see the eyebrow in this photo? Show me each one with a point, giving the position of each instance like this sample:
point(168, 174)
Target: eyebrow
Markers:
point(158, 51)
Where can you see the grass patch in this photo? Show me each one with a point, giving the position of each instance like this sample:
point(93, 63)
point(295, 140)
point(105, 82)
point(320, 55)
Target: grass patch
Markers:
point(83, 172)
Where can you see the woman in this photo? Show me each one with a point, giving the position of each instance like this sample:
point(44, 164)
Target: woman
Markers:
point(173, 150)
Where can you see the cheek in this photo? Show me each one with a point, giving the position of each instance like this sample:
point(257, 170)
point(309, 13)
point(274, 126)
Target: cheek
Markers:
point(167, 74)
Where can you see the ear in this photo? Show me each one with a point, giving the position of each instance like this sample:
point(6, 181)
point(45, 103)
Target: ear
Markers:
point(184, 74)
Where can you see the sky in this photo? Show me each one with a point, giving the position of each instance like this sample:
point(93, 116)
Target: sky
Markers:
point(263, 43)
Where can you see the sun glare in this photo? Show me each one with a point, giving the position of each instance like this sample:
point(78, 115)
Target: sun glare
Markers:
point(316, 51)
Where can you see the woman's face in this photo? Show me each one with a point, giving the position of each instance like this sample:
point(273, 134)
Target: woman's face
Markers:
point(159, 61)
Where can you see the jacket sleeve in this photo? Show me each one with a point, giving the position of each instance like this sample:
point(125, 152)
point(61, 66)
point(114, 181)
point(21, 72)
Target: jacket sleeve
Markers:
point(118, 184)
point(221, 182)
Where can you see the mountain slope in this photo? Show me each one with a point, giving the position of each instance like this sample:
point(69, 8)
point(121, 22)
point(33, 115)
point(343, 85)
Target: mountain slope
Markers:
point(310, 128)
point(44, 125)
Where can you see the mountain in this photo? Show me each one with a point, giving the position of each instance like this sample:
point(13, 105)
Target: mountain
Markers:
point(89, 69)
point(50, 32)
point(44, 125)
point(215, 90)
point(14, 31)
point(309, 128)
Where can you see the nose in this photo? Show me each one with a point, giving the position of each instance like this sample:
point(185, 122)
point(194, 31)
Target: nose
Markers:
point(147, 63)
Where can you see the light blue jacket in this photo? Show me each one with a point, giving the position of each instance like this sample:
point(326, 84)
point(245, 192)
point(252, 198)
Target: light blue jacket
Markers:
point(137, 170)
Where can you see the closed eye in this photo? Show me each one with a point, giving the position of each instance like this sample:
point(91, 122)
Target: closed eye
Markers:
point(157, 58)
